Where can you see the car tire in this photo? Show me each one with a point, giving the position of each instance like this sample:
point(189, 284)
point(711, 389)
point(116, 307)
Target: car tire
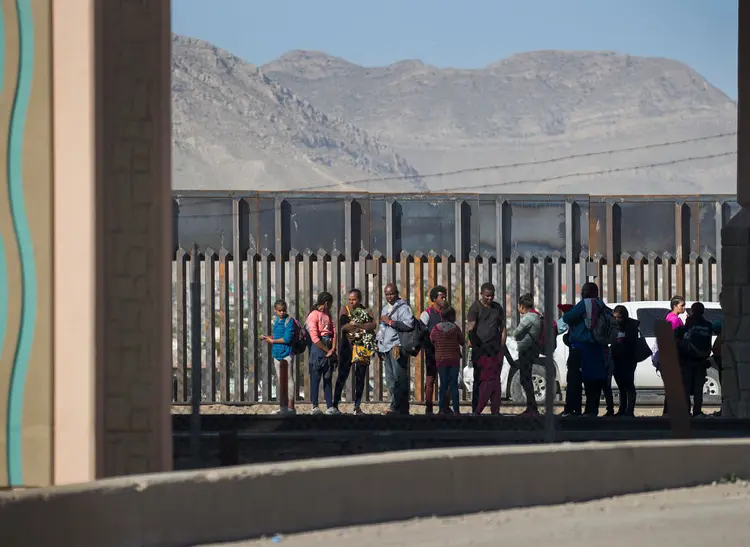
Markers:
point(712, 387)
point(538, 379)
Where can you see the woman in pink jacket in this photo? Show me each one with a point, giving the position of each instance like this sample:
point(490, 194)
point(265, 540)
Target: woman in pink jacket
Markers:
point(322, 356)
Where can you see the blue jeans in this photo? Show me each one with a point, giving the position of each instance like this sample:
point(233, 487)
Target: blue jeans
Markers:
point(321, 368)
point(449, 383)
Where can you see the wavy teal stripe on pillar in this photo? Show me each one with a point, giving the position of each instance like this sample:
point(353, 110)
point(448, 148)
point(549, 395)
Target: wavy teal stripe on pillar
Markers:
point(3, 262)
point(23, 240)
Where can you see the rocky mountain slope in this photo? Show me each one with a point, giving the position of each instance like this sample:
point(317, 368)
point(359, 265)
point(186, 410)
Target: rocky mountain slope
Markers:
point(534, 107)
point(234, 128)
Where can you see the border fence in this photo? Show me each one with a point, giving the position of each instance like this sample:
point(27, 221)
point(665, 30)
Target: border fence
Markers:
point(235, 254)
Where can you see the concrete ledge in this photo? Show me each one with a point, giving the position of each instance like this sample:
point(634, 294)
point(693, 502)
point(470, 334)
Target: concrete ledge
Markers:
point(194, 507)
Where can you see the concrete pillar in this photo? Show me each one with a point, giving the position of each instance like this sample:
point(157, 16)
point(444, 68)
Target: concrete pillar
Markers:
point(134, 235)
point(736, 251)
point(85, 239)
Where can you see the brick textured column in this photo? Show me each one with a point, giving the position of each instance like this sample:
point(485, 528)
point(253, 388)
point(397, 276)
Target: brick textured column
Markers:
point(133, 62)
point(735, 239)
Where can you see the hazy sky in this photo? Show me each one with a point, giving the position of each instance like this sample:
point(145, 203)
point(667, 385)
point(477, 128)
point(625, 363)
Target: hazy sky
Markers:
point(470, 33)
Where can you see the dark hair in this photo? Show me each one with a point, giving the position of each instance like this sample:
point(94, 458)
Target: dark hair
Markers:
point(357, 292)
point(697, 309)
point(590, 290)
point(324, 297)
point(622, 310)
point(280, 304)
point(487, 287)
point(448, 313)
point(676, 301)
point(435, 292)
point(527, 301)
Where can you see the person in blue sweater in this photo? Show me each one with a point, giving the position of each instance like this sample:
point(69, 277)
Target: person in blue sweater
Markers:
point(281, 340)
point(591, 354)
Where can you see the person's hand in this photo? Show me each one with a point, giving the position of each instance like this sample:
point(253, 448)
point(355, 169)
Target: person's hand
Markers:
point(264, 337)
point(331, 353)
point(268, 340)
point(385, 319)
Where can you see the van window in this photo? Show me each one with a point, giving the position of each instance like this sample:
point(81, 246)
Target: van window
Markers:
point(647, 317)
point(713, 315)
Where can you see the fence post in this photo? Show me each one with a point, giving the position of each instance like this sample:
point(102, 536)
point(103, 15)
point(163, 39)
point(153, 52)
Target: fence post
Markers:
point(550, 381)
point(195, 356)
point(210, 320)
point(226, 377)
point(181, 387)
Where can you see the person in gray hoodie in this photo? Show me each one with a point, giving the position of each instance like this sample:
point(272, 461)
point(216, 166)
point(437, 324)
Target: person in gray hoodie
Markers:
point(396, 317)
point(528, 336)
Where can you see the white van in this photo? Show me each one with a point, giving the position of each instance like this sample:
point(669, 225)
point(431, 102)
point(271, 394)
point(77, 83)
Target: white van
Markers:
point(647, 379)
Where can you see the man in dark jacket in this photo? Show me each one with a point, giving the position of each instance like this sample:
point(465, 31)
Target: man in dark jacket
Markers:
point(624, 357)
point(694, 350)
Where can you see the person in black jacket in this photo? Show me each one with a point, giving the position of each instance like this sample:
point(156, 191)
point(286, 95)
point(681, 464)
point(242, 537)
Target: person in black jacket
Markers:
point(624, 357)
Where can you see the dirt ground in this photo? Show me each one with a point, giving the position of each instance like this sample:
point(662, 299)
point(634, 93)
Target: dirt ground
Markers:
point(691, 517)
point(303, 408)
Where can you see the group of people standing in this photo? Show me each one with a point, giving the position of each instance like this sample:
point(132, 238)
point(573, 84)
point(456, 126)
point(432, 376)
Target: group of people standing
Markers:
point(347, 347)
point(693, 338)
point(603, 343)
point(594, 360)
point(591, 363)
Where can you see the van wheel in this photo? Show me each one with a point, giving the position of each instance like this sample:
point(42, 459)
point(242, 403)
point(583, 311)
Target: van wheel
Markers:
point(538, 381)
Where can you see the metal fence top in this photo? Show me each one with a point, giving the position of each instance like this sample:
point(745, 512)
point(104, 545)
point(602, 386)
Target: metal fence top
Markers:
point(450, 196)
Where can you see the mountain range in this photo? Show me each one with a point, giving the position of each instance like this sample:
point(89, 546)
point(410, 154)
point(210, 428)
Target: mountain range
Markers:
point(540, 122)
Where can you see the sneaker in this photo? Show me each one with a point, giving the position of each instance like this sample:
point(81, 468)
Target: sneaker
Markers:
point(570, 414)
point(530, 413)
point(316, 411)
point(285, 412)
point(333, 411)
point(609, 414)
point(359, 412)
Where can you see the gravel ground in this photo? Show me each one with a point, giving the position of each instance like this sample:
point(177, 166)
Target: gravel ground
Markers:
point(694, 517)
point(373, 409)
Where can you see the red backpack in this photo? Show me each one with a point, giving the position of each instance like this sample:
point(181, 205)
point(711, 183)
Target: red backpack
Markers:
point(542, 342)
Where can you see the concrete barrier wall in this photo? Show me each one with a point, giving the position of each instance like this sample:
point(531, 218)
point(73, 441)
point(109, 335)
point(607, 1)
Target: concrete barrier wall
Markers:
point(187, 508)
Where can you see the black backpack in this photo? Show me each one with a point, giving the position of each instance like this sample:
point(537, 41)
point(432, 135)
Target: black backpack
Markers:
point(412, 341)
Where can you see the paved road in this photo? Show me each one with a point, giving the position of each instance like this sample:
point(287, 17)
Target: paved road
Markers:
point(696, 517)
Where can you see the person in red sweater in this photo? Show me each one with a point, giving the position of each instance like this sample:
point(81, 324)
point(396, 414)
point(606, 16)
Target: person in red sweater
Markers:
point(490, 361)
point(448, 341)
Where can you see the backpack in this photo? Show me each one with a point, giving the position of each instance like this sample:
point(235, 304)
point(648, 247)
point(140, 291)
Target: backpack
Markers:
point(542, 342)
point(603, 324)
point(412, 341)
point(698, 340)
point(300, 339)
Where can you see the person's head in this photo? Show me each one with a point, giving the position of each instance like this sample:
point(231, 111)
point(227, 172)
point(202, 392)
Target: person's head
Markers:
point(391, 293)
point(677, 304)
point(448, 313)
point(324, 301)
point(589, 290)
point(697, 309)
point(525, 303)
point(279, 308)
point(621, 314)
point(487, 293)
point(354, 298)
point(438, 296)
